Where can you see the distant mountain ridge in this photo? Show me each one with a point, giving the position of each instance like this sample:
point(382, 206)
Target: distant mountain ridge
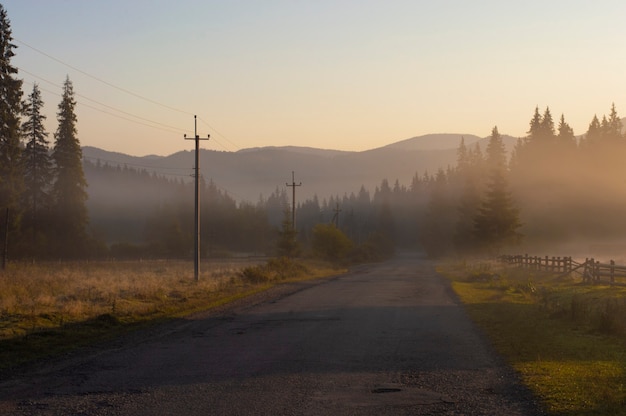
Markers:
point(251, 173)
point(434, 142)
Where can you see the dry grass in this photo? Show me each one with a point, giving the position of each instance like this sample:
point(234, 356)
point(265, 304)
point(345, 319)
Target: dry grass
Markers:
point(45, 295)
point(47, 309)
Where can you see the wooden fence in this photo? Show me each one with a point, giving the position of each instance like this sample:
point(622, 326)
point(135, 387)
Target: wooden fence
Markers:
point(591, 270)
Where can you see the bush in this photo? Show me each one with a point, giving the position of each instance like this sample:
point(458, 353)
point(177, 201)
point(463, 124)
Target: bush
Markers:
point(281, 268)
point(330, 243)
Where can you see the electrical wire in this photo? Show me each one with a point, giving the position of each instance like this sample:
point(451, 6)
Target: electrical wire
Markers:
point(126, 91)
point(168, 128)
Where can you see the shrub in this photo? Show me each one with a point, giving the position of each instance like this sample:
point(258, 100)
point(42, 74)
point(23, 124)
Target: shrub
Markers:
point(330, 243)
point(281, 268)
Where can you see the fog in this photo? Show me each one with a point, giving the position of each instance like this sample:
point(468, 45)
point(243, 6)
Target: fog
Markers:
point(569, 193)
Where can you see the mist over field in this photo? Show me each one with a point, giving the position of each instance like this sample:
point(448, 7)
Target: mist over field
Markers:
point(567, 192)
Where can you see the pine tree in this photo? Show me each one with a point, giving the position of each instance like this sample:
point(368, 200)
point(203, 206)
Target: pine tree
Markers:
point(68, 190)
point(439, 220)
point(11, 176)
point(594, 133)
point(614, 125)
point(497, 221)
point(547, 126)
point(287, 244)
point(534, 133)
point(566, 133)
point(469, 167)
point(37, 166)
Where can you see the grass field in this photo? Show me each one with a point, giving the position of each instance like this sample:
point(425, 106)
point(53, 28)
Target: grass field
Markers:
point(565, 339)
point(48, 308)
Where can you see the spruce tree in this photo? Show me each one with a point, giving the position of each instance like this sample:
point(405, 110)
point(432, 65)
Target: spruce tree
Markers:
point(68, 190)
point(469, 167)
point(287, 244)
point(11, 176)
point(614, 125)
point(547, 126)
point(37, 166)
point(497, 220)
point(566, 133)
point(534, 133)
point(594, 133)
point(439, 220)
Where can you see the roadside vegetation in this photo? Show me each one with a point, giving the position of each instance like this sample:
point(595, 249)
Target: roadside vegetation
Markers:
point(48, 308)
point(566, 339)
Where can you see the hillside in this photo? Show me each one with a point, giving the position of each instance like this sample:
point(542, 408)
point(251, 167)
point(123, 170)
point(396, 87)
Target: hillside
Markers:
point(250, 173)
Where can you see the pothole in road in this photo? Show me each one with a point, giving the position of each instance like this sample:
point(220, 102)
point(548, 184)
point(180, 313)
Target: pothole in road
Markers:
point(379, 390)
point(387, 394)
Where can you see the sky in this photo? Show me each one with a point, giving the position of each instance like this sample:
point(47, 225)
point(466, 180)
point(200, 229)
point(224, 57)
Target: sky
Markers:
point(334, 74)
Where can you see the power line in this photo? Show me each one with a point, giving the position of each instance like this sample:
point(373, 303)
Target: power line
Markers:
point(219, 134)
point(134, 164)
point(168, 128)
point(124, 90)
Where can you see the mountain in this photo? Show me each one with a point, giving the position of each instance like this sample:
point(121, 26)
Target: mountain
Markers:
point(249, 174)
point(434, 142)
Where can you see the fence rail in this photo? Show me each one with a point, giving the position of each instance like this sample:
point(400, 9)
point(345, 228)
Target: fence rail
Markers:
point(591, 270)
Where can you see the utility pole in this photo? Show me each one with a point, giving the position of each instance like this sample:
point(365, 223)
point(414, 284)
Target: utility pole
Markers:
point(336, 216)
point(293, 200)
point(196, 258)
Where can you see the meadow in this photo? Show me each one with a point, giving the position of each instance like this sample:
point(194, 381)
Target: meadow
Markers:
point(49, 308)
point(566, 339)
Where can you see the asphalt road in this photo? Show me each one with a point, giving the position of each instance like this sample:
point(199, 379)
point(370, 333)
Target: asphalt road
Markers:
point(386, 339)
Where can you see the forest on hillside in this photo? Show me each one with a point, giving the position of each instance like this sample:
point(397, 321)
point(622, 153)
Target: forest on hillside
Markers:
point(554, 188)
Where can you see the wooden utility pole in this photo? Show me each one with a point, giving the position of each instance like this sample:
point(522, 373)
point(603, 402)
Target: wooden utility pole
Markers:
point(336, 216)
point(293, 200)
point(196, 258)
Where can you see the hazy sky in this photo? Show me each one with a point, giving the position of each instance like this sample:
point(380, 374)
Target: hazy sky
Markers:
point(349, 75)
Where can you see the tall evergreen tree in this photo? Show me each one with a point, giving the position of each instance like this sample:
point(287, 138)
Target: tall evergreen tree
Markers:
point(534, 133)
point(37, 166)
point(594, 133)
point(11, 177)
point(68, 190)
point(614, 125)
point(497, 220)
point(469, 167)
point(566, 133)
point(287, 244)
point(439, 220)
point(547, 125)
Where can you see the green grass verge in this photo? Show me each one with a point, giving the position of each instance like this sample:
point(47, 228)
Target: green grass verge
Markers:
point(565, 339)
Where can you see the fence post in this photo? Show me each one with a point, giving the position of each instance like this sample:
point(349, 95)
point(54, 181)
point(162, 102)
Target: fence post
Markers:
point(612, 271)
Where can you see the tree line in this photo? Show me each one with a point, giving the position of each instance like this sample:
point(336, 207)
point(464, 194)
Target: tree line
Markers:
point(42, 185)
